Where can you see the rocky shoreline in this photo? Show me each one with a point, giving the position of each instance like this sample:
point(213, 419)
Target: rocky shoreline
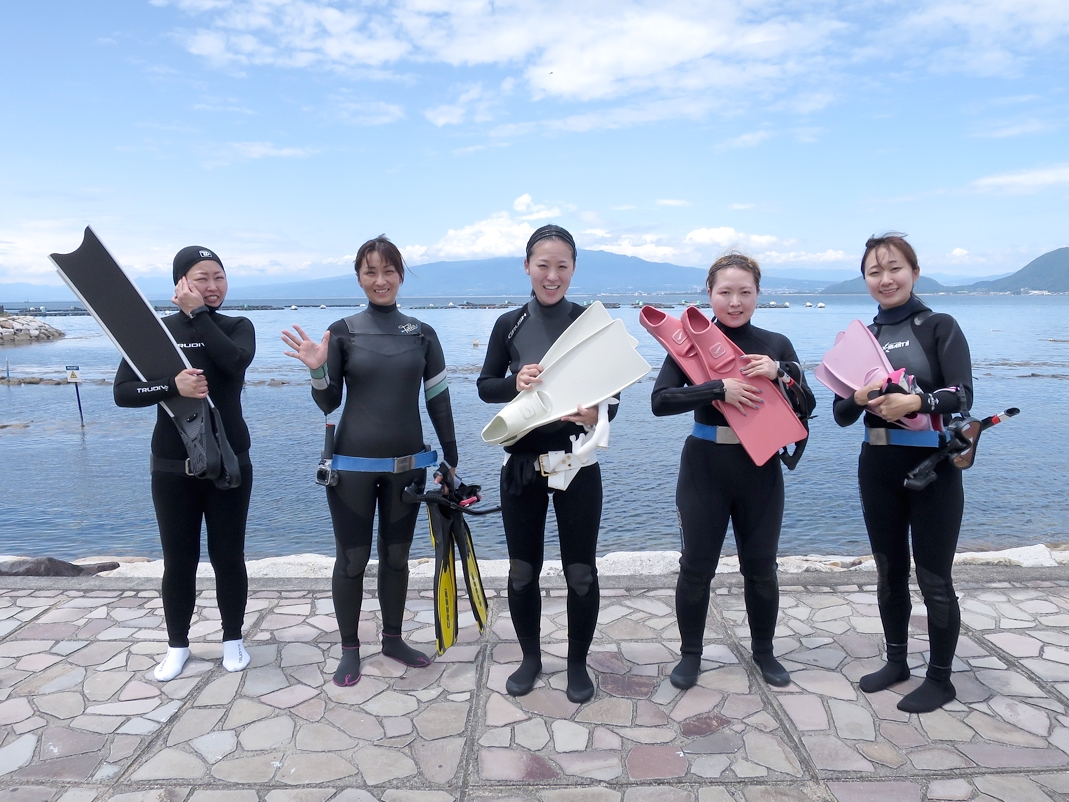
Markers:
point(615, 564)
point(23, 330)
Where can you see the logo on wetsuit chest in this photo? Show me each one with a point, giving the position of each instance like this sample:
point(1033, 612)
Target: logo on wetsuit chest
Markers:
point(152, 389)
point(407, 328)
point(190, 345)
point(899, 344)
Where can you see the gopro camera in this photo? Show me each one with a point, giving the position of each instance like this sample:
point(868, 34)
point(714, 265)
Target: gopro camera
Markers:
point(325, 474)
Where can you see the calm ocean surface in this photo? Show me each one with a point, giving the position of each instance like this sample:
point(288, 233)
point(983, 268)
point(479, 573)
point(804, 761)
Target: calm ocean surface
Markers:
point(69, 492)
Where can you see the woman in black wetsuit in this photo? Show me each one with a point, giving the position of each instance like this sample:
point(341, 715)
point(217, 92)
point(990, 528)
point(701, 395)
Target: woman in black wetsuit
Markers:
point(717, 479)
point(380, 357)
point(932, 348)
point(519, 340)
point(220, 348)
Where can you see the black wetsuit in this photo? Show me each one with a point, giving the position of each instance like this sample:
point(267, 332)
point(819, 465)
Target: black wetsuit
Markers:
point(522, 337)
point(718, 482)
point(933, 349)
point(382, 360)
point(223, 347)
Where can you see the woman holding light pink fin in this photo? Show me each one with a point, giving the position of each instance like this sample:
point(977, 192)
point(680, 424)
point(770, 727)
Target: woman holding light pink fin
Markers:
point(932, 349)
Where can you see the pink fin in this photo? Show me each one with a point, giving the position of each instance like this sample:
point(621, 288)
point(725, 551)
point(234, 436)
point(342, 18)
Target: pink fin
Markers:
point(764, 431)
point(668, 331)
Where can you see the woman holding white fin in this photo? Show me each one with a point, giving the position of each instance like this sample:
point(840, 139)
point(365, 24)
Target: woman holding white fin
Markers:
point(718, 481)
point(520, 339)
point(932, 348)
point(220, 348)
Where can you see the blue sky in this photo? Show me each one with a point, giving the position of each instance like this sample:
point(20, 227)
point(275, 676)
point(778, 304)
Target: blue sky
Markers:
point(284, 134)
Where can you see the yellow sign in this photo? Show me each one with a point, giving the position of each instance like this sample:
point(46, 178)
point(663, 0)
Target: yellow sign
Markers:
point(72, 375)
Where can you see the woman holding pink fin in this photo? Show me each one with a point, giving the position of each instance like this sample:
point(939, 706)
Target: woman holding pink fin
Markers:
point(718, 481)
point(931, 348)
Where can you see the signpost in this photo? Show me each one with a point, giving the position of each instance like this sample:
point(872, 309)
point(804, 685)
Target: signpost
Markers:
point(74, 378)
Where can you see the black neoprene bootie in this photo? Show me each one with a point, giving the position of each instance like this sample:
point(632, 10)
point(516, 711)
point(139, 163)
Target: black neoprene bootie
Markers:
point(934, 692)
point(397, 649)
point(348, 672)
point(685, 674)
point(894, 670)
point(771, 669)
point(523, 679)
point(580, 686)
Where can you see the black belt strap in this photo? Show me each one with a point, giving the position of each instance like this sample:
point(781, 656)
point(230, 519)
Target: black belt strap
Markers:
point(179, 466)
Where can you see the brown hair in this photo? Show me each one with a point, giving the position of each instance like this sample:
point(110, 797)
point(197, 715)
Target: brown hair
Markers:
point(891, 238)
point(734, 259)
point(384, 248)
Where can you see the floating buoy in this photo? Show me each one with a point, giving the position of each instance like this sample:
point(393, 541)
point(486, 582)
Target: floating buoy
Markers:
point(820, 305)
point(474, 343)
point(786, 304)
point(293, 308)
point(322, 306)
point(808, 304)
point(772, 304)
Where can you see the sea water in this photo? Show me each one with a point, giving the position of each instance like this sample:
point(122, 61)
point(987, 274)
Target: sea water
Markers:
point(70, 492)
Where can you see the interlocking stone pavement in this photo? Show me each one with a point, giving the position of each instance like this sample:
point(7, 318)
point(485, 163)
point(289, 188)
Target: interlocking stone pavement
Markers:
point(82, 719)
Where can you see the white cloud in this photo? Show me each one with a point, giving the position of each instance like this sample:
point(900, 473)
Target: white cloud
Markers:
point(644, 247)
point(749, 140)
point(445, 115)
point(498, 235)
point(672, 202)
point(1024, 181)
point(368, 112)
point(534, 211)
point(647, 59)
point(1014, 128)
point(959, 253)
point(829, 255)
point(261, 150)
point(727, 237)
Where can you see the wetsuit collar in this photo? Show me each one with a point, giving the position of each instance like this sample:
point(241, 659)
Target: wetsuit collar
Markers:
point(380, 308)
point(896, 314)
point(734, 332)
point(557, 310)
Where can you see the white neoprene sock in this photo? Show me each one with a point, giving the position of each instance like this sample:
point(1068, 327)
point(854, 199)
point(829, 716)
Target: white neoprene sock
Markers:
point(235, 657)
point(172, 664)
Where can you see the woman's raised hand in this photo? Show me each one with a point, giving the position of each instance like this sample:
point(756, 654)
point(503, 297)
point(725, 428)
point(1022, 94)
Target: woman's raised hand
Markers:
point(313, 354)
point(741, 395)
point(191, 383)
point(186, 296)
point(528, 377)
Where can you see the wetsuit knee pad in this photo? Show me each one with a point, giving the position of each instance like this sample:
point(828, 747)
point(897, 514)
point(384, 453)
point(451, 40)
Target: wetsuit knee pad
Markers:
point(765, 585)
point(693, 585)
point(397, 556)
point(521, 574)
point(579, 577)
point(354, 560)
point(939, 596)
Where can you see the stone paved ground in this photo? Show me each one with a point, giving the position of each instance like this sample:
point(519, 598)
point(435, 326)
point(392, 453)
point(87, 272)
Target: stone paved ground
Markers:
point(81, 718)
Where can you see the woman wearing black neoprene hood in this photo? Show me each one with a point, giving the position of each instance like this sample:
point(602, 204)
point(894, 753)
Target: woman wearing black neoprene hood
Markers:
point(931, 347)
point(378, 358)
point(521, 338)
point(219, 348)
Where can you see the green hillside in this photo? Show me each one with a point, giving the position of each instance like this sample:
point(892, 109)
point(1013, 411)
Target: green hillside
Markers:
point(856, 286)
point(1048, 272)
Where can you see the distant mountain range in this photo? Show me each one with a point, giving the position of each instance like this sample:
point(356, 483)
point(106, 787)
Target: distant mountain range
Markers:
point(597, 272)
point(1047, 273)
